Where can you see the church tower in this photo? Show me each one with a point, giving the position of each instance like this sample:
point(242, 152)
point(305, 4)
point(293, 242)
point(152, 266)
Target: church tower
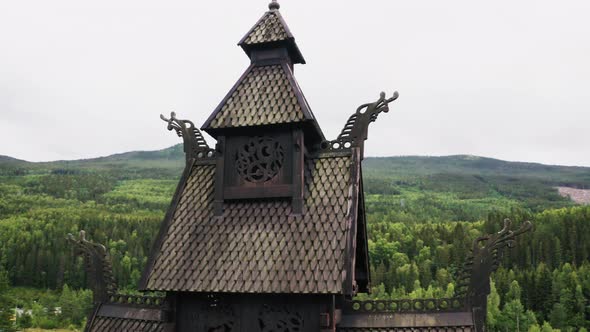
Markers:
point(264, 126)
point(267, 230)
point(270, 223)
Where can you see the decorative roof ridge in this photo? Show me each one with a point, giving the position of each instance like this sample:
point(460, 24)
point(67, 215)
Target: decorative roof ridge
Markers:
point(355, 131)
point(348, 283)
point(309, 116)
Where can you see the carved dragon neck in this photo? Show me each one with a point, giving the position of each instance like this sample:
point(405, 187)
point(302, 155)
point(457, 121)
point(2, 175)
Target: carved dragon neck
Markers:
point(355, 131)
point(98, 267)
point(195, 145)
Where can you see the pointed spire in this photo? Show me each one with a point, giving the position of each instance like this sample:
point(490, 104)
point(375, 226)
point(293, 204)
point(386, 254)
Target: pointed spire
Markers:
point(271, 32)
point(274, 5)
point(267, 94)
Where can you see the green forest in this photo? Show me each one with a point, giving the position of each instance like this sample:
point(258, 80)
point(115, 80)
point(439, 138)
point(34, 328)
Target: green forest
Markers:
point(423, 214)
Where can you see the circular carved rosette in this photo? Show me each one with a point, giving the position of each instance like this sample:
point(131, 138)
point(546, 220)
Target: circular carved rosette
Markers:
point(260, 159)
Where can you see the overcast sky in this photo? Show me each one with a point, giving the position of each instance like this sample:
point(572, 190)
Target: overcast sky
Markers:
point(504, 79)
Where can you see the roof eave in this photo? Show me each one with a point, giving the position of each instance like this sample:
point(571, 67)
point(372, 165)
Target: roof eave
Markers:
point(290, 44)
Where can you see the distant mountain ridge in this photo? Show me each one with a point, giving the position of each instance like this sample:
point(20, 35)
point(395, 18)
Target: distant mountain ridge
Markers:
point(459, 161)
point(479, 182)
point(7, 159)
point(173, 152)
point(474, 165)
point(444, 168)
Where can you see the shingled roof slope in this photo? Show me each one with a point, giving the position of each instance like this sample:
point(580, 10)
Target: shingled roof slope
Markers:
point(109, 317)
point(259, 246)
point(264, 95)
point(112, 324)
point(270, 28)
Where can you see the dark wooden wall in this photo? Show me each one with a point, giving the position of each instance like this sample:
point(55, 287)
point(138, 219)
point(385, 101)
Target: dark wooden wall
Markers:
point(250, 312)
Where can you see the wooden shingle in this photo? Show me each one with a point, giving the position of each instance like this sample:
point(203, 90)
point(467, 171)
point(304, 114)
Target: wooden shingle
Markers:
point(265, 95)
point(270, 28)
point(259, 246)
point(113, 324)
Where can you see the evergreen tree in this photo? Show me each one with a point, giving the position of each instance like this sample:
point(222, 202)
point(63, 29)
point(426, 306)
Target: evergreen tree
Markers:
point(6, 304)
point(542, 302)
point(547, 327)
point(515, 318)
point(514, 292)
point(535, 328)
point(579, 311)
point(558, 316)
point(494, 312)
point(74, 305)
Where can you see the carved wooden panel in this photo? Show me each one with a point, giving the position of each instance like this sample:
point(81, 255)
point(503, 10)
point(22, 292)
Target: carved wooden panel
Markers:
point(260, 159)
point(280, 318)
point(258, 165)
point(247, 313)
point(207, 314)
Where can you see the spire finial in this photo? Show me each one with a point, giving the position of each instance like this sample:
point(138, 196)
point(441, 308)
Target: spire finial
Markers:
point(274, 5)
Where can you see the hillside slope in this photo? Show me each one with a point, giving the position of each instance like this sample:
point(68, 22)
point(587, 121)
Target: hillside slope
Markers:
point(480, 181)
point(401, 167)
point(474, 165)
point(443, 183)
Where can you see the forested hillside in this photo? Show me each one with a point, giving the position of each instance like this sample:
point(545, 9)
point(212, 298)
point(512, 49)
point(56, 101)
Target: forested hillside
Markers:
point(423, 213)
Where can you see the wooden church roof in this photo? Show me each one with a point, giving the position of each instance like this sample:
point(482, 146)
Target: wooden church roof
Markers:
point(264, 245)
point(267, 93)
point(261, 246)
point(109, 323)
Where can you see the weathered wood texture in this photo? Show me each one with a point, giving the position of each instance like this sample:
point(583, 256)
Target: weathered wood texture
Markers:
point(218, 312)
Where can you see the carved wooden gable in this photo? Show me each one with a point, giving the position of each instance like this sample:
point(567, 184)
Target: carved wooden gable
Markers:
point(260, 127)
point(264, 125)
point(275, 207)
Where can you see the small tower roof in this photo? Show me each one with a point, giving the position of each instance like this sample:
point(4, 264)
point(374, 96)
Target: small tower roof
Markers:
point(271, 29)
point(264, 95)
point(267, 94)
